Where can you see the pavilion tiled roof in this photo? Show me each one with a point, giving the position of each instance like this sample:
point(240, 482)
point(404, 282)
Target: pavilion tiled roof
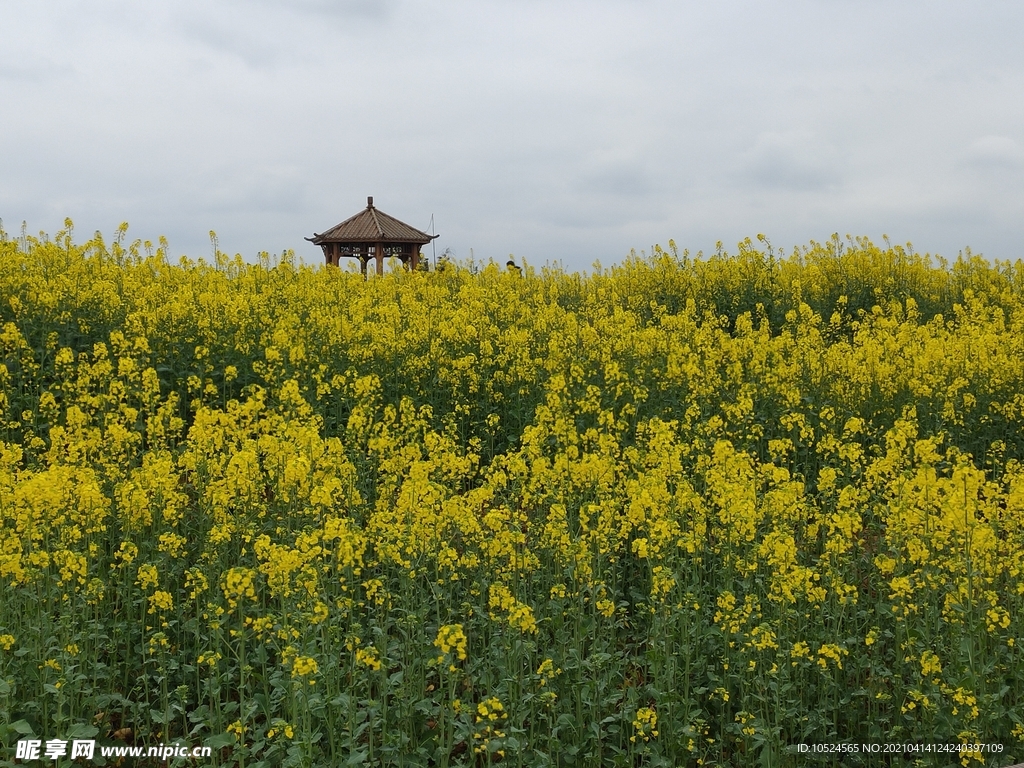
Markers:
point(371, 226)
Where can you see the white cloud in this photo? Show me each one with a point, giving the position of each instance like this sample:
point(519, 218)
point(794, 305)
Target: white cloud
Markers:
point(995, 152)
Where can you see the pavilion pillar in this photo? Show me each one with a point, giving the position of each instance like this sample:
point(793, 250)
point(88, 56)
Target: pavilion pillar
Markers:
point(379, 253)
point(414, 261)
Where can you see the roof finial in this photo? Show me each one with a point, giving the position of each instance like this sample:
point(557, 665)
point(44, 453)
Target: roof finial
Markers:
point(369, 201)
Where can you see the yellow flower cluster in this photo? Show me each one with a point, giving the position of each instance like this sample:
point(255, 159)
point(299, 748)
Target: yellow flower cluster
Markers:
point(301, 666)
point(237, 585)
point(930, 664)
point(684, 481)
point(369, 657)
point(645, 724)
point(547, 671)
point(451, 638)
point(160, 600)
point(518, 615)
point(490, 713)
point(148, 576)
point(281, 728)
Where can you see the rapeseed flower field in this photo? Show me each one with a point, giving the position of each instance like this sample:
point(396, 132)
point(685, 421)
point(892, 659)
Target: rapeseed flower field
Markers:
point(679, 512)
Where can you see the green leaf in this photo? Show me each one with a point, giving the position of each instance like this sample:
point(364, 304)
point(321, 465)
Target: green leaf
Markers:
point(221, 740)
point(356, 758)
point(22, 727)
point(82, 731)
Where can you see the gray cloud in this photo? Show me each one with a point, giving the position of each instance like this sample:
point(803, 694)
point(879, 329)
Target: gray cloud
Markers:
point(568, 129)
point(280, 30)
point(33, 69)
point(220, 37)
point(376, 10)
point(792, 160)
point(995, 152)
point(623, 180)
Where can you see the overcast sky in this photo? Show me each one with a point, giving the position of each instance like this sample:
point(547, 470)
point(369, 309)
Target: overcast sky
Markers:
point(554, 130)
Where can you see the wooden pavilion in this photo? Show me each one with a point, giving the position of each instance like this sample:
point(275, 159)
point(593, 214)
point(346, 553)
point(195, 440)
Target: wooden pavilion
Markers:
point(372, 234)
